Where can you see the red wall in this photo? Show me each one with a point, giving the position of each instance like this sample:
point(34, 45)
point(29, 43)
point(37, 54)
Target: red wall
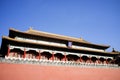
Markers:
point(38, 72)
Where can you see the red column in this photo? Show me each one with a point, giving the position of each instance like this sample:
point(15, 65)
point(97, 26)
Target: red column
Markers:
point(90, 59)
point(39, 54)
point(24, 53)
point(52, 56)
point(65, 57)
point(106, 61)
point(80, 58)
point(8, 52)
point(99, 60)
point(13, 54)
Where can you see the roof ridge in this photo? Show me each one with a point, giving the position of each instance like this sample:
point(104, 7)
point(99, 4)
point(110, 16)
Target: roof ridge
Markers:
point(58, 35)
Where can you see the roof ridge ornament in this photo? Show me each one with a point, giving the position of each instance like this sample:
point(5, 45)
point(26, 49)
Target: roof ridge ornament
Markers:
point(113, 50)
point(81, 38)
point(30, 28)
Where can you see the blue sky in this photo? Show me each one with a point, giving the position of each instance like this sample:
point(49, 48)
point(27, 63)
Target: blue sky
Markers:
point(97, 21)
